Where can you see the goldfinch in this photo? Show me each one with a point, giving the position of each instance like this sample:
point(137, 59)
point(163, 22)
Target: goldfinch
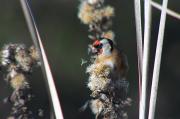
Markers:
point(108, 55)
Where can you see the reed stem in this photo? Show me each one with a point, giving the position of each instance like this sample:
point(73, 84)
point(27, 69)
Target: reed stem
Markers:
point(157, 64)
point(43, 58)
point(137, 8)
point(146, 48)
point(168, 11)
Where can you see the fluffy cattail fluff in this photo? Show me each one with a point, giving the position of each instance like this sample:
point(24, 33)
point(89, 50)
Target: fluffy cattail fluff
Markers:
point(85, 14)
point(98, 79)
point(98, 17)
point(108, 34)
point(19, 56)
point(34, 54)
point(110, 96)
point(23, 59)
point(93, 2)
point(18, 61)
point(89, 14)
point(18, 81)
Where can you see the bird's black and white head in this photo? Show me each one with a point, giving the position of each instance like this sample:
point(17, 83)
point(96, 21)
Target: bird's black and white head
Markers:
point(103, 46)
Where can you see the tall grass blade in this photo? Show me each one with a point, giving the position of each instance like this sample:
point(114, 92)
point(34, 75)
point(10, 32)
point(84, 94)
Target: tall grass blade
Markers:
point(168, 11)
point(45, 65)
point(137, 9)
point(157, 62)
point(146, 48)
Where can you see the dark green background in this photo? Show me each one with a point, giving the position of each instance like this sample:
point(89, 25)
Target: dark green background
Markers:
point(65, 40)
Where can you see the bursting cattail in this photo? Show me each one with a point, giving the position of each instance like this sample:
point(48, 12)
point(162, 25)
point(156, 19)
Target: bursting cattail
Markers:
point(108, 68)
point(18, 61)
point(17, 81)
point(88, 14)
point(108, 34)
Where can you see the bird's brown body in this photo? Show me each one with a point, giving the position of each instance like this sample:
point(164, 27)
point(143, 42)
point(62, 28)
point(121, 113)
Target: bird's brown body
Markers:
point(116, 60)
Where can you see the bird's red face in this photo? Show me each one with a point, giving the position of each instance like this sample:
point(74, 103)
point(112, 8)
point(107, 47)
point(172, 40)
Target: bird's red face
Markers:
point(97, 47)
point(96, 43)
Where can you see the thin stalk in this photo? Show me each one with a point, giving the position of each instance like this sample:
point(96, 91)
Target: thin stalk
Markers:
point(45, 65)
point(137, 9)
point(146, 48)
point(168, 11)
point(157, 64)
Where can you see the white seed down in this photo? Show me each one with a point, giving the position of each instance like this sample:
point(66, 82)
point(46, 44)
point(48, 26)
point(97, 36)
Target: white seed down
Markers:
point(93, 1)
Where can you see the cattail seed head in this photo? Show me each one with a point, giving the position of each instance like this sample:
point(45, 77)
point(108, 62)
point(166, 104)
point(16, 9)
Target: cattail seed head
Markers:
point(96, 106)
point(23, 60)
point(34, 54)
point(88, 13)
point(108, 35)
point(94, 2)
point(18, 81)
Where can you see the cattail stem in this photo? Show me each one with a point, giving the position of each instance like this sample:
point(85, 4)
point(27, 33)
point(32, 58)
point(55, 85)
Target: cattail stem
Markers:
point(168, 11)
point(157, 63)
point(137, 9)
point(146, 48)
point(43, 58)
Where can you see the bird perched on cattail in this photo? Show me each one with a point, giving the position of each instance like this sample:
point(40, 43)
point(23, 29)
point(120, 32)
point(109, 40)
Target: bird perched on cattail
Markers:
point(108, 54)
point(109, 67)
point(107, 75)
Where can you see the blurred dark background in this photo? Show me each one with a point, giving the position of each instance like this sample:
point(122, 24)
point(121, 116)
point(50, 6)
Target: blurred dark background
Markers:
point(65, 40)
